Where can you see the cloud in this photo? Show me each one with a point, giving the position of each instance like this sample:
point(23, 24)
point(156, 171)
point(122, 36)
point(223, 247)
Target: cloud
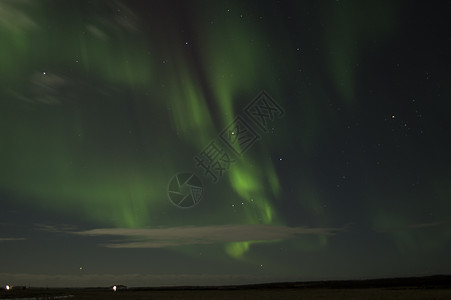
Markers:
point(43, 87)
point(120, 19)
point(97, 32)
point(414, 226)
point(426, 225)
point(12, 239)
point(62, 228)
point(190, 235)
point(13, 18)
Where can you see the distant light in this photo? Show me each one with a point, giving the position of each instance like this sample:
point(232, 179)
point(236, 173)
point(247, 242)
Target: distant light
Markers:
point(7, 287)
point(43, 73)
point(114, 288)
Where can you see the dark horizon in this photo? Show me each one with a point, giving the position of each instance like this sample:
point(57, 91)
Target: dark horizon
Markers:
point(425, 281)
point(439, 281)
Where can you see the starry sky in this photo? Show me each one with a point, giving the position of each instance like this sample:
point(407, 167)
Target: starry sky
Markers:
point(153, 143)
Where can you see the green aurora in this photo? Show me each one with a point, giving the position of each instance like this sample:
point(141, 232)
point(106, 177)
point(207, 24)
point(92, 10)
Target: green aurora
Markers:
point(101, 104)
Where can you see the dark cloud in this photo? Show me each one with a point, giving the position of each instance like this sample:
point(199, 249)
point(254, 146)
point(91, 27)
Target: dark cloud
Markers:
point(189, 235)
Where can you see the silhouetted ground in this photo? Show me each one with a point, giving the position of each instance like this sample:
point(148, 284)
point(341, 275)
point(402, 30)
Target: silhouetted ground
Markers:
point(434, 287)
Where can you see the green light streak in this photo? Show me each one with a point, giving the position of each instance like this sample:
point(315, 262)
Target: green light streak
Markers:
point(255, 187)
point(349, 29)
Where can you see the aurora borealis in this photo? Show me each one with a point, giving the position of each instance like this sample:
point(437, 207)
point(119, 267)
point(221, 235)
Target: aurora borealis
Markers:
point(103, 102)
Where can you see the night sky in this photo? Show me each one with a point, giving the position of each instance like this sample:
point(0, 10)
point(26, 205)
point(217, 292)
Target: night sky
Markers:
point(153, 143)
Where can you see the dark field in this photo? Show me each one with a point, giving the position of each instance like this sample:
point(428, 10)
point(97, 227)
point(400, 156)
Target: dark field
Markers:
point(262, 294)
point(436, 287)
